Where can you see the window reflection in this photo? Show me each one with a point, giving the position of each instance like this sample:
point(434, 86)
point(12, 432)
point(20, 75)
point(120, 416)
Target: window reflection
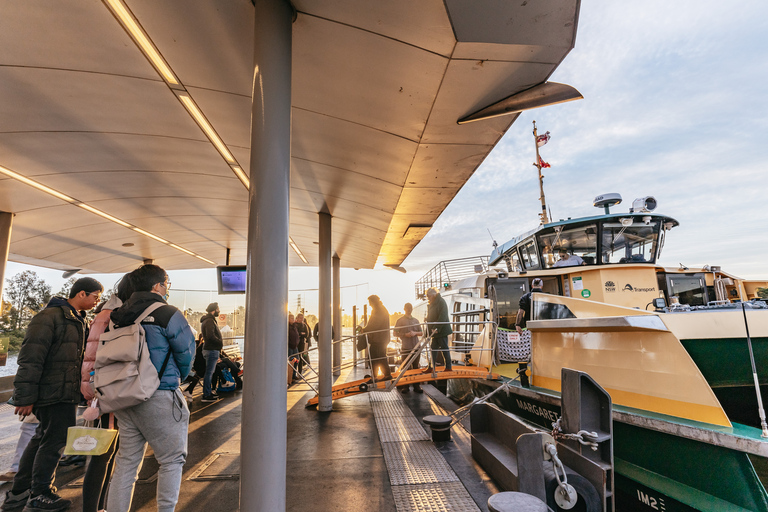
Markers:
point(565, 246)
point(629, 241)
point(528, 253)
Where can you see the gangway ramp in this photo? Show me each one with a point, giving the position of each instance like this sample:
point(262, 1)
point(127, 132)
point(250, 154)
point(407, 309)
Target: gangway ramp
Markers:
point(408, 377)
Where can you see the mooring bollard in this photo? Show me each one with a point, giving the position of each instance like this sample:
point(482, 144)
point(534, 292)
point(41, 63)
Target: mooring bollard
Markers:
point(516, 502)
point(440, 427)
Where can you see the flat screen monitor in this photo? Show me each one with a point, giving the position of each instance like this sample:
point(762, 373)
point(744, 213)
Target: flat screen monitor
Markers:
point(231, 279)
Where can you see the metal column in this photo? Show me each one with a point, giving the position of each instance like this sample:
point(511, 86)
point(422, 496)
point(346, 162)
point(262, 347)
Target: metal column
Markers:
point(6, 222)
point(354, 340)
point(324, 403)
point(336, 316)
point(264, 401)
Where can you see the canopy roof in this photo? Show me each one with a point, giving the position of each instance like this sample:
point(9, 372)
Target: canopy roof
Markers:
point(377, 90)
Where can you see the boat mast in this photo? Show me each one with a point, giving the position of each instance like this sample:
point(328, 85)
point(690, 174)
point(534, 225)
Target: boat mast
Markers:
point(543, 214)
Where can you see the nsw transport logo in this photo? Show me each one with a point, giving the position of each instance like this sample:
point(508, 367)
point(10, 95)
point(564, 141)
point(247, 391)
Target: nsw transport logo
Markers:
point(610, 286)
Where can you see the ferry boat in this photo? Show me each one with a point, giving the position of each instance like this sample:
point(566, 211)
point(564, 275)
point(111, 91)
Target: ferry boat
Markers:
point(682, 351)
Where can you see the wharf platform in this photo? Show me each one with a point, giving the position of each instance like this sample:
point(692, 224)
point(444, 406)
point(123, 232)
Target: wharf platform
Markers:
point(372, 453)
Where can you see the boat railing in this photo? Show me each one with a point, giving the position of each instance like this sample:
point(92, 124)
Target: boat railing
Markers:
point(448, 271)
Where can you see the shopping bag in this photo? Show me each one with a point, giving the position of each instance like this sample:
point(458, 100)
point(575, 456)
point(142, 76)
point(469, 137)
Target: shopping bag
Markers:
point(89, 440)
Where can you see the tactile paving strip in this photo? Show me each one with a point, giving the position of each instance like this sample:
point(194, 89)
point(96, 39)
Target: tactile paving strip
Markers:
point(416, 463)
point(441, 497)
point(385, 396)
point(391, 409)
point(400, 428)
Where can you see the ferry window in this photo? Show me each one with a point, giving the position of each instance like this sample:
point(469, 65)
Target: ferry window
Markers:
point(688, 289)
point(528, 253)
point(513, 262)
point(507, 293)
point(565, 246)
point(629, 240)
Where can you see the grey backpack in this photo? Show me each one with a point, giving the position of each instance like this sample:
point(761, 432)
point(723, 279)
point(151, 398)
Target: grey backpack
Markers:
point(124, 375)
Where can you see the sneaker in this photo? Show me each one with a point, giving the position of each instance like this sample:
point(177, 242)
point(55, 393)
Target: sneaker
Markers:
point(47, 502)
point(8, 476)
point(15, 501)
point(403, 389)
point(212, 398)
point(72, 460)
point(417, 388)
point(188, 395)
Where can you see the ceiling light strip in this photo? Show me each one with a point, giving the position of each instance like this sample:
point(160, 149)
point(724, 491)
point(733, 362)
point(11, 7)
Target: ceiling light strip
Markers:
point(39, 186)
point(204, 259)
point(150, 235)
point(105, 215)
point(242, 176)
point(96, 211)
point(126, 18)
point(197, 114)
point(297, 250)
point(142, 40)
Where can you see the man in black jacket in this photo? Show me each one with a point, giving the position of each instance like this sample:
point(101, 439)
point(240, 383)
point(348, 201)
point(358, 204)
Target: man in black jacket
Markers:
point(48, 384)
point(437, 312)
point(524, 313)
point(212, 345)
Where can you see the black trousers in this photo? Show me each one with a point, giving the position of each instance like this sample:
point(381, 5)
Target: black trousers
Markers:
point(37, 467)
point(98, 473)
point(379, 361)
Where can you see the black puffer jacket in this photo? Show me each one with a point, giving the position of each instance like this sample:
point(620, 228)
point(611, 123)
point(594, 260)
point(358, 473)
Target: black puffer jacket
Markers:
point(211, 333)
point(377, 327)
point(51, 356)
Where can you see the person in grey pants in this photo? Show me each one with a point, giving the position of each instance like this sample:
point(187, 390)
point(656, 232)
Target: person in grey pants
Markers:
point(163, 420)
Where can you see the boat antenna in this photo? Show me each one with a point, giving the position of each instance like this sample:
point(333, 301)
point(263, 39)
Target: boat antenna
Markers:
point(495, 244)
point(538, 164)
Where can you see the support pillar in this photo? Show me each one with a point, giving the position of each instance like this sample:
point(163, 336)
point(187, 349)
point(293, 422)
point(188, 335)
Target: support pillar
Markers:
point(6, 223)
point(336, 316)
point(264, 401)
point(325, 371)
point(354, 340)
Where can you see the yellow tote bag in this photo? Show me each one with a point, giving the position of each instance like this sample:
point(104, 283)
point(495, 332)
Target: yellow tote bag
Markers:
point(89, 440)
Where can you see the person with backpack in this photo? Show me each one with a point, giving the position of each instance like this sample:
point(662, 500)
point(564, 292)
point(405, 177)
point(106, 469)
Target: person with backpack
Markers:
point(47, 384)
point(163, 419)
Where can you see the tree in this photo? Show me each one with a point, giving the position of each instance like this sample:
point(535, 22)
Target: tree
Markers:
point(28, 293)
point(64, 292)
point(762, 293)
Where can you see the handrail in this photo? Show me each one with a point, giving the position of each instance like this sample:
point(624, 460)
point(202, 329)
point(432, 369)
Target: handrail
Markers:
point(412, 354)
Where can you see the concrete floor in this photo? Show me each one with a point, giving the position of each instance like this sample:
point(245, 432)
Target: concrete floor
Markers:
point(334, 462)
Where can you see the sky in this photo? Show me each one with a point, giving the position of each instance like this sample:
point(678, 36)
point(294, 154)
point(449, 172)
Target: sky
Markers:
point(674, 107)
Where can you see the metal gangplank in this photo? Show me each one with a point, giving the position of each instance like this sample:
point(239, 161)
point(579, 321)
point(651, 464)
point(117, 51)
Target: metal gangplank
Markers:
point(405, 378)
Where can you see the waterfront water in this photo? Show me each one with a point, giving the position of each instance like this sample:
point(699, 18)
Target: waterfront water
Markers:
point(10, 366)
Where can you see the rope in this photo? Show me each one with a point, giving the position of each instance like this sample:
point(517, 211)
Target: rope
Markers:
point(465, 410)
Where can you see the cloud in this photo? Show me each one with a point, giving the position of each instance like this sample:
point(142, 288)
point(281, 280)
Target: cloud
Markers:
point(674, 107)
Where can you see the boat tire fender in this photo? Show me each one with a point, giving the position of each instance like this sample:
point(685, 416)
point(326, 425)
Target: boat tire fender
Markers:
point(588, 498)
point(363, 387)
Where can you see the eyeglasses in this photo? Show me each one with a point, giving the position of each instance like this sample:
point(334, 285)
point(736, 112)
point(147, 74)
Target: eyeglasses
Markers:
point(98, 294)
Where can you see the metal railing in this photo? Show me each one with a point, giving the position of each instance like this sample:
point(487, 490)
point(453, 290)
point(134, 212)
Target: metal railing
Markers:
point(449, 271)
point(310, 377)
